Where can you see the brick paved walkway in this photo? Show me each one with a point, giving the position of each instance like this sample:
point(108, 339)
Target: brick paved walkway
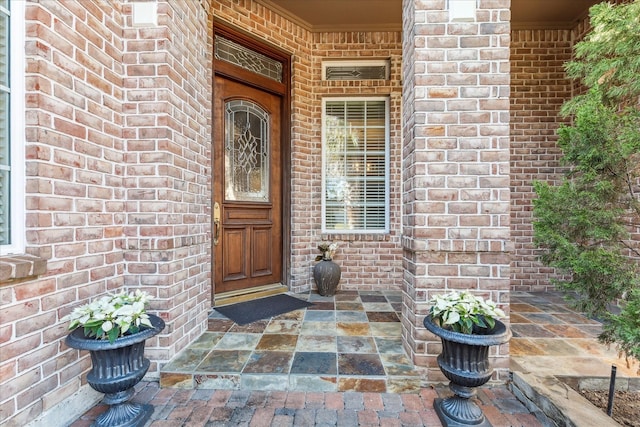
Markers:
point(193, 408)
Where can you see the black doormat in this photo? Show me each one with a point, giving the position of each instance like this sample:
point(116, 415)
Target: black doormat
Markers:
point(264, 308)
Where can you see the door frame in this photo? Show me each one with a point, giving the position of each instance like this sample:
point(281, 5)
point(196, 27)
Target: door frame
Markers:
point(283, 90)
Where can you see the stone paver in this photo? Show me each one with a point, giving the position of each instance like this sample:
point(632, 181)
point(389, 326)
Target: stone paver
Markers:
point(226, 408)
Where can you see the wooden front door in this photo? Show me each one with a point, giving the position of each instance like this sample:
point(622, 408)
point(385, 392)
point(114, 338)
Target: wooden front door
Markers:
point(247, 186)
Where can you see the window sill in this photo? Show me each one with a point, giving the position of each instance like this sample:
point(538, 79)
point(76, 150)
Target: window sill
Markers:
point(356, 237)
point(16, 267)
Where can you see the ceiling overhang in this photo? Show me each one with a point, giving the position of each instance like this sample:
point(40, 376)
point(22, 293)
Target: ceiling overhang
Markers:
point(340, 15)
point(386, 15)
point(549, 14)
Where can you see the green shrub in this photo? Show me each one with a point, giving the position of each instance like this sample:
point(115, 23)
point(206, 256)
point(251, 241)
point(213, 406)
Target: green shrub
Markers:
point(585, 225)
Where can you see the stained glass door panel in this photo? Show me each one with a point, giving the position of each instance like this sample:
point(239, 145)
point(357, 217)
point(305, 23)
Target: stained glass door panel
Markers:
point(246, 152)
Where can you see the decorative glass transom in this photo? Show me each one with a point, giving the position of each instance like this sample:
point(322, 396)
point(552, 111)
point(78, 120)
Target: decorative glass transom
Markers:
point(246, 155)
point(355, 70)
point(234, 53)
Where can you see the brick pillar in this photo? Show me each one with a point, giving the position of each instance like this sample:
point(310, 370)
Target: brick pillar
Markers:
point(455, 163)
point(167, 87)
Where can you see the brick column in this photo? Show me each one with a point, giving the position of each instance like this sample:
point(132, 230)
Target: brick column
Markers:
point(167, 87)
point(455, 164)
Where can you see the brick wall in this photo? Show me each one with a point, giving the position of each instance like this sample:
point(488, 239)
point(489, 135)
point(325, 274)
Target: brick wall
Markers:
point(539, 87)
point(118, 188)
point(456, 163)
point(367, 261)
point(74, 198)
point(167, 184)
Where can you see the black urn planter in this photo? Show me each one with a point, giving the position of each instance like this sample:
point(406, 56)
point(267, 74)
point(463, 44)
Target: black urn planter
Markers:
point(326, 274)
point(116, 368)
point(465, 362)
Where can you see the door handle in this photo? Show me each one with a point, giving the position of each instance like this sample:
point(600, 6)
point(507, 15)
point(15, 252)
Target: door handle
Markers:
point(216, 223)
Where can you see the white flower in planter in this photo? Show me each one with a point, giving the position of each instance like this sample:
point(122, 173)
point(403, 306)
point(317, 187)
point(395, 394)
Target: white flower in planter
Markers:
point(461, 311)
point(111, 316)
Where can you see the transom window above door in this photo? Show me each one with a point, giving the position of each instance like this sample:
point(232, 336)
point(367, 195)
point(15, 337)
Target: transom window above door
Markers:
point(355, 165)
point(244, 57)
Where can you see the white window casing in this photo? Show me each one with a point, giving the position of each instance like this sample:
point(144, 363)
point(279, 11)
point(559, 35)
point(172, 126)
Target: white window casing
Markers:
point(13, 139)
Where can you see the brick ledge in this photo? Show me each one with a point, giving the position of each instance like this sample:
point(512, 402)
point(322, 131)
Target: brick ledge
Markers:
point(356, 237)
point(15, 267)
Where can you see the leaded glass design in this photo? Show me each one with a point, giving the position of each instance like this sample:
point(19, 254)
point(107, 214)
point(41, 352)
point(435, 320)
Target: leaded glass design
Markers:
point(356, 69)
point(355, 72)
point(246, 152)
point(234, 53)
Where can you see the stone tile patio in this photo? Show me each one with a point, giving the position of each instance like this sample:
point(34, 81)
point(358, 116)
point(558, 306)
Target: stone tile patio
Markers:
point(551, 340)
point(348, 342)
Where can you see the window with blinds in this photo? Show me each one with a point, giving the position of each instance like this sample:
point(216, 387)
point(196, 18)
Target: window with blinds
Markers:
point(5, 153)
point(355, 165)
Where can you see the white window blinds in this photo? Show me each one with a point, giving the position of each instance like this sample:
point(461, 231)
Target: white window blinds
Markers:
point(355, 165)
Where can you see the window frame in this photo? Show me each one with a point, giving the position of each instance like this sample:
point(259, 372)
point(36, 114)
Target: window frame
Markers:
point(16, 130)
point(387, 171)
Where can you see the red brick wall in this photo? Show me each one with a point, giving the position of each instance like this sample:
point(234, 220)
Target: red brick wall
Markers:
point(538, 89)
point(74, 198)
point(368, 261)
point(167, 183)
point(118, 129)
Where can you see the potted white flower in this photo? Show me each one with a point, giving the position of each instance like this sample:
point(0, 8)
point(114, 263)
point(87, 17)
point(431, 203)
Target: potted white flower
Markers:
point(114, 329)
point(467, 326)
point(111, 316)
point(463, 311)
point(327, 273)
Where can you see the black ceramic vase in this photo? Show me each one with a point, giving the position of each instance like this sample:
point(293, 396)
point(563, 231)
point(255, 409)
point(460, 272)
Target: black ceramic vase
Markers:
point(465, 362)
point(327, 274)
point(116, 368)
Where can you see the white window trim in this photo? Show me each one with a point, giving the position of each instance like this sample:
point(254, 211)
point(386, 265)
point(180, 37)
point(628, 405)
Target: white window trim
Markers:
point(17, 135)
point(387, 201)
